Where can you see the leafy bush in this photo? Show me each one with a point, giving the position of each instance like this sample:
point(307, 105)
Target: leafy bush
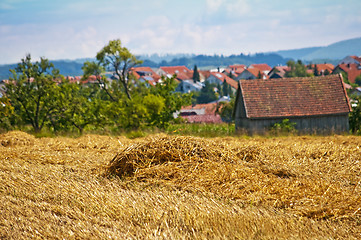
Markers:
point(284, 127)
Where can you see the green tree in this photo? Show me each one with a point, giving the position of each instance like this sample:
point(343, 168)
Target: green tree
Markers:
point(207, 93)
point(355, 116)
point(226, 88)
point(315, 71)
point(119, 60)
point(327, 72)
point(358, 80)
point(259, 76)
point(79, 106)
point(6, 111)
point(173, 101)
point(298, 69)
point(196, 77)
point(96, 69)
point(231, 75)
point(225, 110)
point(32, 91)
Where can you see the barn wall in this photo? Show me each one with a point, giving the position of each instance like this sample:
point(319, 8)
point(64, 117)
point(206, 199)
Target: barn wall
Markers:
point(315, 124)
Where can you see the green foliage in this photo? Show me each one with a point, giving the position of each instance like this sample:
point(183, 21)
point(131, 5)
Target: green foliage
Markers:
point(196, 77)
point(226, 89)
point(315, 71)
point(78, 107)
point(259, 75)
point(173, 101)
point(6, 111)
point(298, 69)
point(119, 60)
point(355, 117)
point(358, 80)
point(207, 94)
point(225, 110)
point(284, 127)
point(33, 92)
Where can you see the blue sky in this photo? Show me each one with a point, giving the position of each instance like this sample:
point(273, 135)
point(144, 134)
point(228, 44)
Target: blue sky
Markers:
point(70, 29)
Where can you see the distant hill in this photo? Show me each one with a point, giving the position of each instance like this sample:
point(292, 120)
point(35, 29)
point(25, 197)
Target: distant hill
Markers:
point(203, 61)
point(331, 54)
point(335, 51)
point(297, 53)
point(73, 67)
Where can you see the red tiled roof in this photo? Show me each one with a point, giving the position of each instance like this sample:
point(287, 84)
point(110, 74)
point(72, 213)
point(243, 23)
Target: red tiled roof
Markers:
point(136, 70)
point(238, 68)
point(352, 70)
point(323, 67)
point(261, 66)
point(205, 74)
point(175, 69)
point(210, 108)
point(290, 97)
point(221, 76)
point(182, 72)
point(228, 71)
point(255, 71)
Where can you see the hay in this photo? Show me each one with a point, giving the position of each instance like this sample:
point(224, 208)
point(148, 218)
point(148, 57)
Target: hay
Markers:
point(180, 188)
point(163, 149)
point(16, 138)
point(253, 172)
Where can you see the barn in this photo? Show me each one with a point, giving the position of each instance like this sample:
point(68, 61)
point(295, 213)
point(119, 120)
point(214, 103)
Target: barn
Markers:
point(315, 104)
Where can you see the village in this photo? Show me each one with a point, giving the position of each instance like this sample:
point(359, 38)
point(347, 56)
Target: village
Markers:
point(229, 77)
point(281, 93)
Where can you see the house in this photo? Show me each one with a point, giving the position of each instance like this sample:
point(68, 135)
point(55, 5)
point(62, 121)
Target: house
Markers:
point(351, 60)
point(323, 68)
point(278, 72)
point(230, 73)
point(263, 67)
point(351, 69)
point(220, 78)
point(146, 75)
point(251, 73)
point(315, 104)
point(201, 113)
point(188, 86)
point(236, 69)
point(181, 72)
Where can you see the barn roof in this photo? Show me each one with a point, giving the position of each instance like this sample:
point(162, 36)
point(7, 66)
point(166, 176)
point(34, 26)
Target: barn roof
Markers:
point(294, 97)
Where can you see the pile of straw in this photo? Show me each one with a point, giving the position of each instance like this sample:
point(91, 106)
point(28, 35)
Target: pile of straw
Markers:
point(16, 138)
point(296, 179)
point(162, 149)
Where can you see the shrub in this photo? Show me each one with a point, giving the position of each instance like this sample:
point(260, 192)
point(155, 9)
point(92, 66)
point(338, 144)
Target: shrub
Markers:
point(284, 127)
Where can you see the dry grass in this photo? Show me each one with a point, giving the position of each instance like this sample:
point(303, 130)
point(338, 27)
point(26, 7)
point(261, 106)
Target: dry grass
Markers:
point(180, 187)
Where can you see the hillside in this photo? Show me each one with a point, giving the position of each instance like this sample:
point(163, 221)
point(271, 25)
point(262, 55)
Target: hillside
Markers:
point(73, 67)
point(297, 53)
point(178, 187)
point(335, 51)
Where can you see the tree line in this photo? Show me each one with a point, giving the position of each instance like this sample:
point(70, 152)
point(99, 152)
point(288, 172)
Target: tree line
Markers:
point(37, 95)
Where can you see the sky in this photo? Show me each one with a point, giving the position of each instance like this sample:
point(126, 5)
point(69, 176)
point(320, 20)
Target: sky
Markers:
point(71, 29)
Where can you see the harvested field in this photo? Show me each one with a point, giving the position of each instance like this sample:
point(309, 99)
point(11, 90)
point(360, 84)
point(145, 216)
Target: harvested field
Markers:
point(177, 187)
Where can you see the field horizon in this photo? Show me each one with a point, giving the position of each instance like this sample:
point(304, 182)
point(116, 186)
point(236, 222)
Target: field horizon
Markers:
point(180, 187)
